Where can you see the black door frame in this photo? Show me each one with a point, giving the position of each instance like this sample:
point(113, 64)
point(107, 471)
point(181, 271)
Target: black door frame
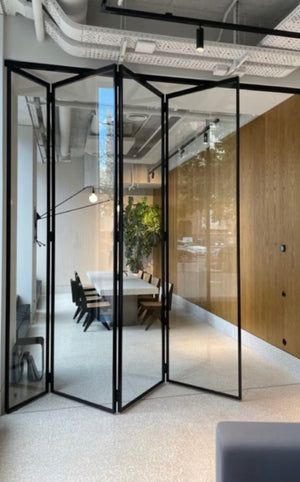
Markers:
point(231, 83)
point(112, 72)
point(146, 80)
point(125, 73)
point(11, 69)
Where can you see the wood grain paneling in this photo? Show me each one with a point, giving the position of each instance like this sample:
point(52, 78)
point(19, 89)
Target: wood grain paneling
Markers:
point(202, 229)
point(201, 205)
point(270, 196)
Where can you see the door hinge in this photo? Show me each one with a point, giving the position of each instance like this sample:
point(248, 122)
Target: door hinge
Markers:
point(117, 396)
point(49, 378)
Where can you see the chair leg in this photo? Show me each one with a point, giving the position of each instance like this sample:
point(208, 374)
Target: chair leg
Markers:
point(89, 321)
point(150, 324)
point(103, 320)
point(76, 312)
point(106, 325)
point(143, 316)
point(81, 316)
point(86, 319)
point(147, 316)
point(155, 316)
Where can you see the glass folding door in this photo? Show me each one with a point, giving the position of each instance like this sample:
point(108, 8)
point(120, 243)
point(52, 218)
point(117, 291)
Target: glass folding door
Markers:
point(141, 328)
point(27, 254)
point(84, 217)
point(203, 222)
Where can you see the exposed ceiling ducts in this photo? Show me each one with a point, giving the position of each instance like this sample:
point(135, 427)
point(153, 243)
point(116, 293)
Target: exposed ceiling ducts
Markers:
point(273, 57)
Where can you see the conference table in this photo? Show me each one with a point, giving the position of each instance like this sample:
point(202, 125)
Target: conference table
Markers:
point(133, 286)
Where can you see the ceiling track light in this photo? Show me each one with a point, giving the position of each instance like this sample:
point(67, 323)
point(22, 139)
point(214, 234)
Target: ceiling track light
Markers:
point(200, 39)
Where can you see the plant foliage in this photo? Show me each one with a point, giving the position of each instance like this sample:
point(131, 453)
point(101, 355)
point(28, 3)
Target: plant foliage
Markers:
point(141, 232)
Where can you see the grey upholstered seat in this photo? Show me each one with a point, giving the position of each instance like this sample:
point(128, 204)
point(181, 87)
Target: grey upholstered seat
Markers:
point(258, 452)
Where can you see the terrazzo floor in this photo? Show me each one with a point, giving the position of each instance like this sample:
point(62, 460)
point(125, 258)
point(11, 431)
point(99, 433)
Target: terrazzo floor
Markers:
point(171, 438)
point(169, 435)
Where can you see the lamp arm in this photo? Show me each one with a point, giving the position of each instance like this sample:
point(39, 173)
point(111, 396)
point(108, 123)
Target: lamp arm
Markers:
point(82, 207)
point(78, 209)
point(68, 199)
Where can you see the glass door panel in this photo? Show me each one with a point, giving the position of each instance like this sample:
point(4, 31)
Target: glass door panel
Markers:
point(84, 222)
point(28, 246)
point(204, 334)
point(141, 225)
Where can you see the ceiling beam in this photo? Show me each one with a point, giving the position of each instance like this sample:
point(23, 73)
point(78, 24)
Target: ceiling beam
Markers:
point(169, 17)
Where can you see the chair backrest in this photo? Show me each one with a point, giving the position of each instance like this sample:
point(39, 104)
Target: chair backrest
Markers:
point(81, 294)
point(73, 290)
point(147, 277)
point(155, 281)
point(170, 290)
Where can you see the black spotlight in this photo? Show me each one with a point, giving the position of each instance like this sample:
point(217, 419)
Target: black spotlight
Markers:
point(200, 39)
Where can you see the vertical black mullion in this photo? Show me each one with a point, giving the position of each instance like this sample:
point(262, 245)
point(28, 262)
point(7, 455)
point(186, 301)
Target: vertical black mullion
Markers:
point(120, 238)
point(115, 243)
point(163, 235)
point(52, 236)
point(167, 233)
point(48, 254)
point(238, 236)
point(8, 238)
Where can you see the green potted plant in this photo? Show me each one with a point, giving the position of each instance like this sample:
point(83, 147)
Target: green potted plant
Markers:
point(142, 232)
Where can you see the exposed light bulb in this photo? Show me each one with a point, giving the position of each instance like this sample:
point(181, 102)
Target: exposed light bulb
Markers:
point(93, 197)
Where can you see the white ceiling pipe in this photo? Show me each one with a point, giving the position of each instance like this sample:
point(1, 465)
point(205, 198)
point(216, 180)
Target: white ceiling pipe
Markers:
point(37, 10)
point(65, 130)
point(75, 9)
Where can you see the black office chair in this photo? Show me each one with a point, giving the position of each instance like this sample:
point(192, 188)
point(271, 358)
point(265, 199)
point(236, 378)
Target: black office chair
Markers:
point(152, 309)
point(91, 298)
point(87, 288)
point(92, 309)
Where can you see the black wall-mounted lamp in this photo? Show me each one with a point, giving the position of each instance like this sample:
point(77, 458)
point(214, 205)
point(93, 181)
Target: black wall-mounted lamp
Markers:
point(200, 39)
point(93, 198)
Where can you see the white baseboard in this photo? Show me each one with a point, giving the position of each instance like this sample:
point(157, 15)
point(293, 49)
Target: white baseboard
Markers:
point(261, 347)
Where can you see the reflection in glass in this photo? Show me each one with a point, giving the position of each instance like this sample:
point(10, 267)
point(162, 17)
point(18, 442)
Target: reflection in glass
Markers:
point(203, 250)
point(28, 241)
point(83, 353)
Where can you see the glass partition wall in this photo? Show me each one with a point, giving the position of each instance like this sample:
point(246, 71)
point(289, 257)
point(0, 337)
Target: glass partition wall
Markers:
point(84, 316)
point(27, 239)
point(141, 347)
point(204, 336)
point(123, 225)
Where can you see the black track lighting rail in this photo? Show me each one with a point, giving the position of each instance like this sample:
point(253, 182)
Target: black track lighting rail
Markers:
point(199, 22)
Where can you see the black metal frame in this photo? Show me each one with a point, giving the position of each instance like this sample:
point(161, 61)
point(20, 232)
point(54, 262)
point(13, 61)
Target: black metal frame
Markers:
point(125, 73)
point(111, 71)
point(232, 83)
point(118, 73)
point(197, 22)
point(16, 70)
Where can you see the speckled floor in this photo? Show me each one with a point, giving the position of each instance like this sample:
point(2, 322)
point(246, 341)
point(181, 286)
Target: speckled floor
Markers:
point(171, 438)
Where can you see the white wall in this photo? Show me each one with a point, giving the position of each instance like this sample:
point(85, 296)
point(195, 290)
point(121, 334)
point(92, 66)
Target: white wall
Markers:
point(80, 235)
point(26, 200)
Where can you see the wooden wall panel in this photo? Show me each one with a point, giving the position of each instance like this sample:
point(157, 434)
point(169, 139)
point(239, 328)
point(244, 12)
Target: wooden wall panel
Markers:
point(270, 200)
point(202, 230)
point(270, 196)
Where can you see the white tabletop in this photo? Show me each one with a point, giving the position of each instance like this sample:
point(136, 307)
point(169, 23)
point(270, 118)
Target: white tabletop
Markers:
point(132, 285)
